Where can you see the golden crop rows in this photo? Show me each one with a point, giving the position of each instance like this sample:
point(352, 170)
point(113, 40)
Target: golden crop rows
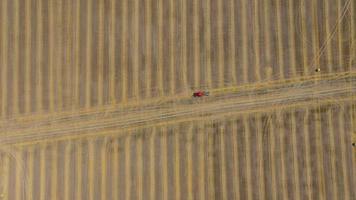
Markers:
point(68, 58)
point(65, 55)
point(303, 153)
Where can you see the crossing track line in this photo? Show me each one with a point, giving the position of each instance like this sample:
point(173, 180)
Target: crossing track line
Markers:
point(325, 90)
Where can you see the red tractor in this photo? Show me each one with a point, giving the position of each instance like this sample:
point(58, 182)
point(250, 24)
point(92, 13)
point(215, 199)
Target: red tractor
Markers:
point(200, 93)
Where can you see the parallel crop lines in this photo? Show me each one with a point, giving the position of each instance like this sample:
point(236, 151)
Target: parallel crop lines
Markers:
point(248, 158)
point(256, 40)
point(283, 174)
point(152, 165)
point(295, 155)
point(340, 119)
point(172, 45)
point(196, 43)
point(67, 164)
point(207, 39)
point(100, 52)
point(91, 170)
point(327, 33)
point(16, 59)
point(136, 63)
point(58, 54)
point(267, 39)
point(319, 155)
point(353, 34)
point(340, 35)
point(159, 72)
point(177, 158)
point(333, 153)
point(213, 167)
point(304, 45)
point(19, 174)
point(236, 172)
point(244, 21)
point(43, 172)
point(51, 67)
point(189, 166)
point(139, 173)
point(124, 54)
point(201, 161)
point(164, 164)
point(148, 49)
point(79, 178)
point(76, 57)
point(220, 39)
point(274, 173)
point(315, 35)
point(6, 177)
point(222, 133)
point(307, 153)
point(73, 27)
point(30, 177)
point(260, 131)
point(4, 60)
point(104, 174)
point(68, 51)
point(232, 37)
point(280, 40)
point(291, 33)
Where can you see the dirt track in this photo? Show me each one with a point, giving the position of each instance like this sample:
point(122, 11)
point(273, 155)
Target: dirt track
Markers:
point(311, 91)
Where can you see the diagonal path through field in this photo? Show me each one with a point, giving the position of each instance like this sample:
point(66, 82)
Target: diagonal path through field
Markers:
point(314, 90)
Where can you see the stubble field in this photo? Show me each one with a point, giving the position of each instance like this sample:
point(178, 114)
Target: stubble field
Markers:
point(96, 99)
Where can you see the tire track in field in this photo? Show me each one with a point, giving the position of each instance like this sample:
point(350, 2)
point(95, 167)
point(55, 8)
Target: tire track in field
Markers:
point(231, 102)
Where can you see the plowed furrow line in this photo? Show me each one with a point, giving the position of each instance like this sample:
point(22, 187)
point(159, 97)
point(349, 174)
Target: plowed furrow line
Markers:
point(340, 120)
point(4, 59)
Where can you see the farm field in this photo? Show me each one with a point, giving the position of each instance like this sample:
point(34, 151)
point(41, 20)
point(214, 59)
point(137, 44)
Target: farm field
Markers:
point(96, 99)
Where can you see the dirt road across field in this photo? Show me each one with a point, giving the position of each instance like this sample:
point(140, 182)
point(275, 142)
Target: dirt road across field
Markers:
point(313, 91)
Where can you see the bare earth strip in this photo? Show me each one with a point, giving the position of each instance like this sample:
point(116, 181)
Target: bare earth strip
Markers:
point(289, 94)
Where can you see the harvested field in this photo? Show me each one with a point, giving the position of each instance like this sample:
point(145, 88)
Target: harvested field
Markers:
point(298, 153)
point(65, 55)
point(96, 99)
